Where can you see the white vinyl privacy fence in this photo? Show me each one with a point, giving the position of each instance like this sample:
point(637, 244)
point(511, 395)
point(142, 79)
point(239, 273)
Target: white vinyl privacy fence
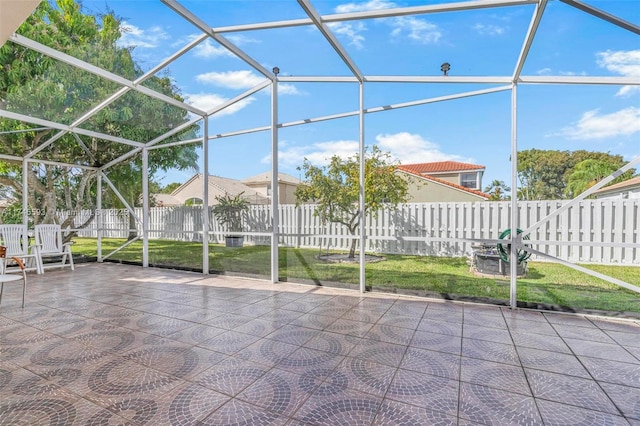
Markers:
point(591, 231)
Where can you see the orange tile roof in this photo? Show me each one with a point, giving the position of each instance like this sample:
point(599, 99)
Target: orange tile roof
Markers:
point(440, 167)
point(444, 182)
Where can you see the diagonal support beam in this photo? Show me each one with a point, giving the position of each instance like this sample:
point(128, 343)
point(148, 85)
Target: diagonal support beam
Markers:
point(120, 92)
point(378, 13)
point(531, 32)
point(41, 122)
point(200, 24)
point(85, 66)
point(603, 15)
point(120, 197)
point(326, 32)
point(582, 196)
point(586, 271)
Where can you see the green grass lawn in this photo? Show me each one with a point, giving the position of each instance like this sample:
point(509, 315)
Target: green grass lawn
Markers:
point(545, 283)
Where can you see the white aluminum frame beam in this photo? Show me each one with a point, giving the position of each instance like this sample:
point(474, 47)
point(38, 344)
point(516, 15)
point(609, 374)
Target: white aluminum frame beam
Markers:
point(121, 92)
point(275, 190)
point(584, 195)
point(331, 38)
point(522, 79)
point(84, 147)
point(85, 66)
point(573, 79)
point(258, 87)
point(200, 24)
point(145, 207)
point(120, 197)
point(528, 41)
point(206, 226)
point(372, 14)
point(586, 270)
point(603, 15)
point(42, 122)
point(514, 237)
point(58, 163)
point(343, 115)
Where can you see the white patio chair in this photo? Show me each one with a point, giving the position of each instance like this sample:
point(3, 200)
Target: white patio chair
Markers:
point(49, 243)
point(16, 240)
point(5, 278)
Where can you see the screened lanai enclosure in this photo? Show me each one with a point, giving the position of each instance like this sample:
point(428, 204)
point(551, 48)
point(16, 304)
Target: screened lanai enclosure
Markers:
point(132, 124)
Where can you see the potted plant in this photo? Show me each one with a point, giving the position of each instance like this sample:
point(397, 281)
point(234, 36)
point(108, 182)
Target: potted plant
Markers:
point(230, 211)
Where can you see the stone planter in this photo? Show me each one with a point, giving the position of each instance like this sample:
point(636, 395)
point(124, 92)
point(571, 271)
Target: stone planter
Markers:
point(234, 240)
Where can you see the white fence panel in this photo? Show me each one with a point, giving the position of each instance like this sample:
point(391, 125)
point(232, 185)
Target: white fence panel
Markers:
point(417, 228)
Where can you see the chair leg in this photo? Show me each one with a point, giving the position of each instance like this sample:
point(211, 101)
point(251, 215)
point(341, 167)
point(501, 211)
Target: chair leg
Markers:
point(24, 287)
point(73, 268)
point(1, 288)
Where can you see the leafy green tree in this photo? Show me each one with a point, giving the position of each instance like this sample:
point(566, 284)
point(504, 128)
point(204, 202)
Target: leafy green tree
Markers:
point(498, 191)
point(34, 84)
point(544, 174)
point(335, 188)
point(170, 188)
point(586, 174)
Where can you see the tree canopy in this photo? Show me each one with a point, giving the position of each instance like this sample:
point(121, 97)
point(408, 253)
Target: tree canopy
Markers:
point(498, 191)
point(545, 174)
point(34, 84)
point(335, 188)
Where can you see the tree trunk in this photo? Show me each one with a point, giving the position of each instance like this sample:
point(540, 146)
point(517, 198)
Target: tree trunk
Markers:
point(352, 250)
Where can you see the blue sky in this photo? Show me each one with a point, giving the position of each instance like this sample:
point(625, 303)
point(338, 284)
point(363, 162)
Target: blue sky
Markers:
point(484, 42)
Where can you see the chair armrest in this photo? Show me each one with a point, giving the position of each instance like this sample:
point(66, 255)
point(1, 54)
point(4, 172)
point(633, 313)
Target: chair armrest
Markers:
point(19, 262)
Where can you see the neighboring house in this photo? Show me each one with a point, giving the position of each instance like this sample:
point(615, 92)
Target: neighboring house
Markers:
point(629, 188)
point(256, 190)
point(444, 181)
point(164, 200)
point(287, 185)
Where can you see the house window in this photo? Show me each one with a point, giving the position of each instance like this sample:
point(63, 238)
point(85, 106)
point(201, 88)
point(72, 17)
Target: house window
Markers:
point(469, 180)
point(268, 190)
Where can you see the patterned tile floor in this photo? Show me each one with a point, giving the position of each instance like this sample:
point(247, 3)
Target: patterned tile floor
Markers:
point(111, 344)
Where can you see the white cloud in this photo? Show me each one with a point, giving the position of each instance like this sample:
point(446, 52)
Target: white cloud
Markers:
point(623, 62)
point(243, 80)
point(241, 39)
point(549, 71)
point(318, 154)
point(368, 5)
point(289, 89)
point(416, 29)
point(570, 73)
point(412, 148)
point(492, 30)
point(133, 36)
point(403, 146)
point(351, 31)
point(593, 125)
point(207, 101)
point(207, 49)
point(231, 79)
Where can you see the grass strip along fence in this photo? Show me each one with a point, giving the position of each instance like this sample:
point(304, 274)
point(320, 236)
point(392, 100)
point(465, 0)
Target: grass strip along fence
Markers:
point(546, 285)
